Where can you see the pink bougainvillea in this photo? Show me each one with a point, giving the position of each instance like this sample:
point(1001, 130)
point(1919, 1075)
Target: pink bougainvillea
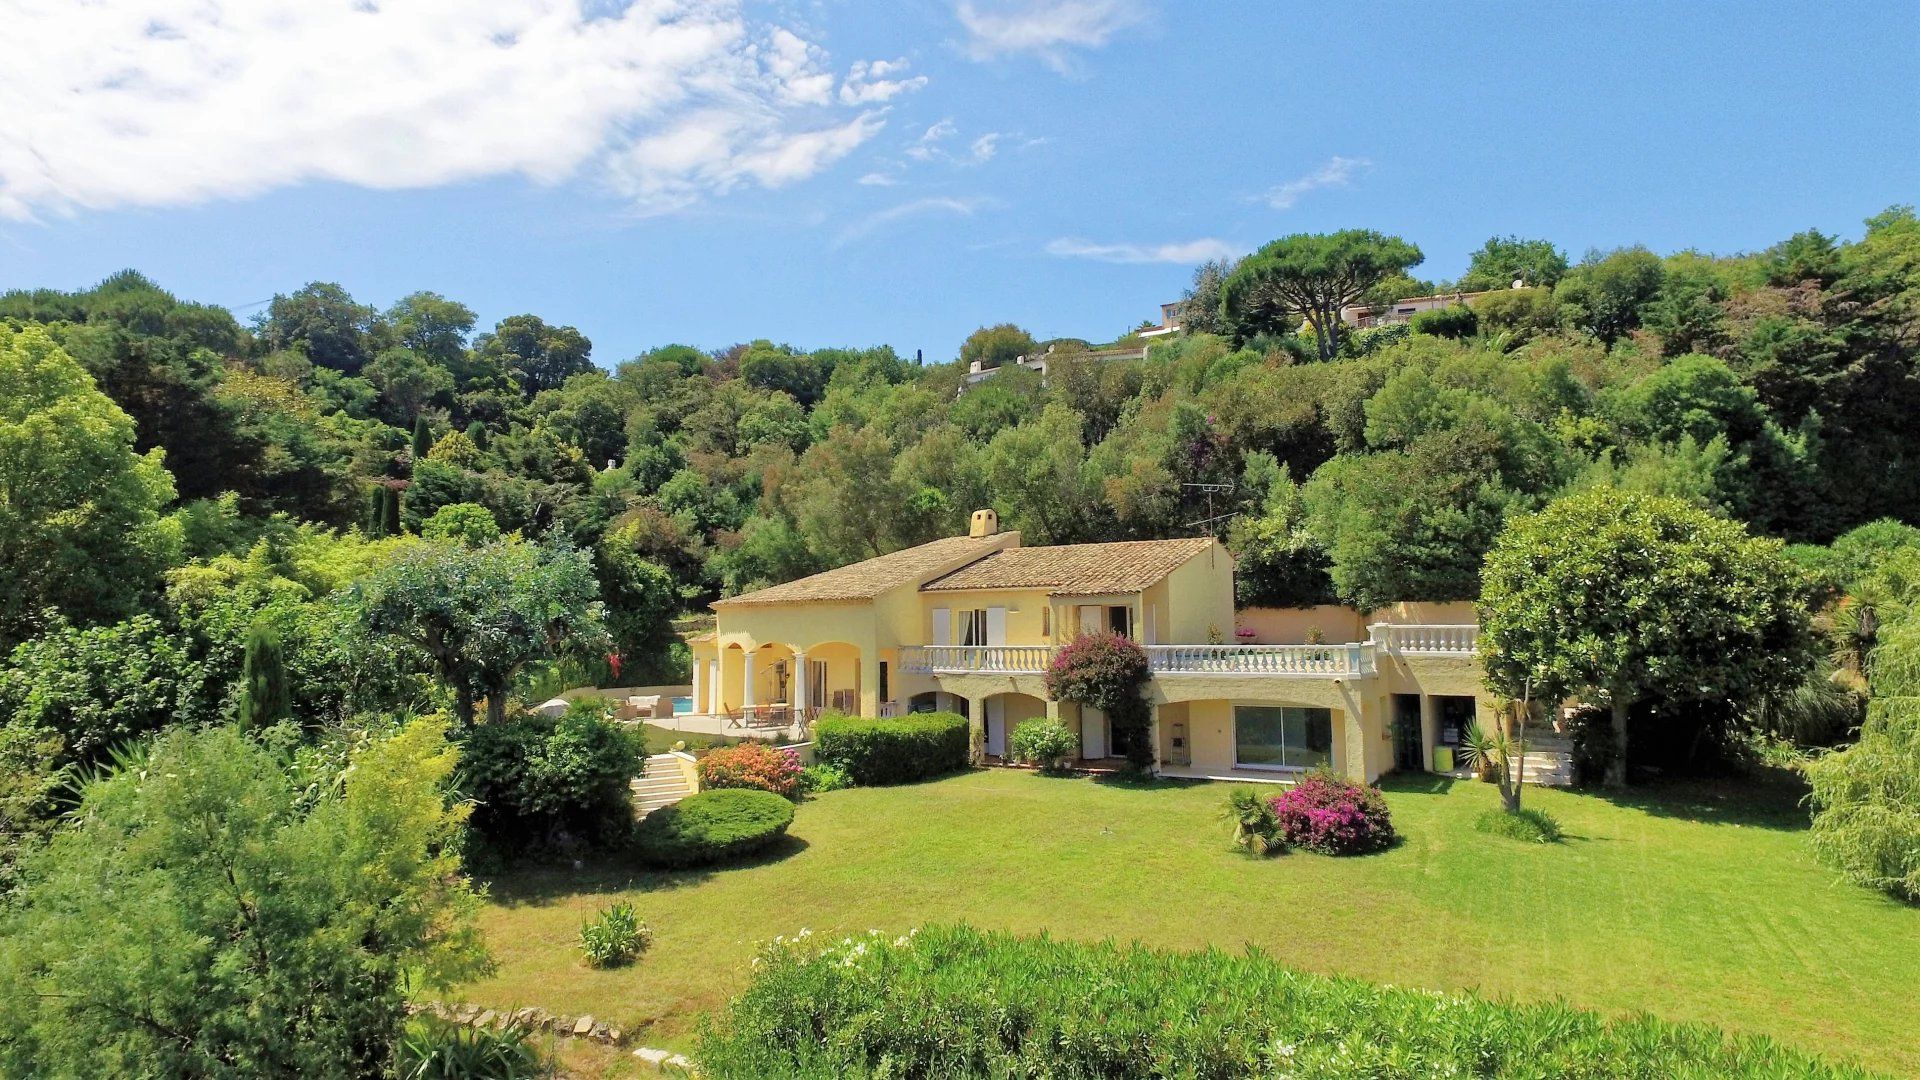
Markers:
point(1330, 814)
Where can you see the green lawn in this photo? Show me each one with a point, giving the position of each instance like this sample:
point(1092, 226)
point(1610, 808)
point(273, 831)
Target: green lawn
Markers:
point(1696, 902)
point(662, 739)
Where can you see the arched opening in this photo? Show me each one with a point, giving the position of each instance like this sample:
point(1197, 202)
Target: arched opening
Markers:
point(1001, 714)
point(832, 679)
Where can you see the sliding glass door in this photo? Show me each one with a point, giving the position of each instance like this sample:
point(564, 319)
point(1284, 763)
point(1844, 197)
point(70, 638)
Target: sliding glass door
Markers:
point(1282, 737)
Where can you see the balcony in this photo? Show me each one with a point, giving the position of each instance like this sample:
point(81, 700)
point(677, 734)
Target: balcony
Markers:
point(977, 659)
point(1323, 661)
point(1331, 661)
point(1426, 639)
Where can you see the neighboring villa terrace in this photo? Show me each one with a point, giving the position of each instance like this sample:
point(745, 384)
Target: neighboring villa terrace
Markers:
point(970, 624)
point(978, 372)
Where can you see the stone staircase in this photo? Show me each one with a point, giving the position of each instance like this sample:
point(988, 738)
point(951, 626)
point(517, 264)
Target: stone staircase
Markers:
point(1549, 758)
point(662, 784)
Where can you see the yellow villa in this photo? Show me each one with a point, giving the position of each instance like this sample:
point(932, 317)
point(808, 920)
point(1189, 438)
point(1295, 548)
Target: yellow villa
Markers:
point(970, 623)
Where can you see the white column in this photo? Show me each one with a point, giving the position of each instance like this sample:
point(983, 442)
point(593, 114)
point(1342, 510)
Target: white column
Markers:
point(699, 668)
point(800, 698)
point(746, 679)
point(713, 688)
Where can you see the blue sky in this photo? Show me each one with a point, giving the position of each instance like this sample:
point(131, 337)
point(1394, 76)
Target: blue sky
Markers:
point(850, 174)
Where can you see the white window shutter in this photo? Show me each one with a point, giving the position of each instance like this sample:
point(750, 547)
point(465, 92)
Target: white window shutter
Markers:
point(942, 626)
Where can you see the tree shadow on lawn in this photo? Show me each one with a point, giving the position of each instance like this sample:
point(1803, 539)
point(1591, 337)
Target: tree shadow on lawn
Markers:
point(1133, 781)
point(1417, 783)
point(539, 883)
point(1768, 799)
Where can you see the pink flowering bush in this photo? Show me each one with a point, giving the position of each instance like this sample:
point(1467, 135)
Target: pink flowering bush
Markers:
point(1108, 672)
point(752, 765)
point(1330, 814)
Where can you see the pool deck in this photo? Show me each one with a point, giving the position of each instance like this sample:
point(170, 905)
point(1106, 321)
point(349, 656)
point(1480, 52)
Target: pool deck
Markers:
point(708, 724)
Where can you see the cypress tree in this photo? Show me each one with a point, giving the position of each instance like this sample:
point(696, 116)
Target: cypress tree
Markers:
point(477, 433)
point(264, 698)
point(376, 507)
point(389, 512)
point(422, 439)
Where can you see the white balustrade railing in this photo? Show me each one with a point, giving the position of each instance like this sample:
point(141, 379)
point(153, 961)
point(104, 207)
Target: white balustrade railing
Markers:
point(1425, 637)
point(1330, 660)
point(991, 659)
point(1345, 660)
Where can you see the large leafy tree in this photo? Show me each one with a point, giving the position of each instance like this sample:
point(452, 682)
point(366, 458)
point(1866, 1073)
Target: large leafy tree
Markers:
point(206, 915)
point(538, 356)
point(995, 345)
point(322, 320)
point(1606, 295)
point(641, 600)
point(1502, 259)
point(475, 616)
point(1638, 599)
point(1199, 311)
point(433, 326)
point(79, 509)
point(1312, 276)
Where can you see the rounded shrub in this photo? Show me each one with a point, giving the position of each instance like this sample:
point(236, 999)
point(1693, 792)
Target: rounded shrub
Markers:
point(539, 781)
point(1330, 814)
point(751, 765)
point(894, 750)
point(1453, 321)
point(822, 777)
point(713, 826)
point(1043, 743)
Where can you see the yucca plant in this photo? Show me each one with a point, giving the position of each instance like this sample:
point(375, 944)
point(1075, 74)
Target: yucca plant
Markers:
point(1484, 751)
point(614, 937)
point(431, 1049)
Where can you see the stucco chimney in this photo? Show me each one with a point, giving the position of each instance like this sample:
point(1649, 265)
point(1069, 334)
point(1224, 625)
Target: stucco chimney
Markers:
point(985, 523)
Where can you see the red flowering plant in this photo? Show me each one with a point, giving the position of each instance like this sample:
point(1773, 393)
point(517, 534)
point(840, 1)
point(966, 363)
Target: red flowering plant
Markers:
point(752, 765)
point(1330, 814)
point(1106, 671)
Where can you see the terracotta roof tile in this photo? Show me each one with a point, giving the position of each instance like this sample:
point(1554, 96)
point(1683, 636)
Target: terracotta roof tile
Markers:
point(868, 579)
point(1075, 569)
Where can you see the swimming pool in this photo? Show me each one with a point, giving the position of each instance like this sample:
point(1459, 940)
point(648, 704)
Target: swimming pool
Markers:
point(682, 706)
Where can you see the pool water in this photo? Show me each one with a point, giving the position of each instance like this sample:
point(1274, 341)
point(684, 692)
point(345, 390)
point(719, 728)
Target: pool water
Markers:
point(682, 706)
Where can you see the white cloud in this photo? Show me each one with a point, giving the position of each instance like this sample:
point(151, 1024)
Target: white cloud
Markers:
point(171, 102)
point(1186, 252)
point(879, 179)
point(1335, 173)
point(1049, 30)
point(930, 146)
point(960, 206)
point(868, 83)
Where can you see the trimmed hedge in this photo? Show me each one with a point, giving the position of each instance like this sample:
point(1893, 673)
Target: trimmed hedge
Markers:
point(958, 1002)
point(713, 826)
point(897, 750)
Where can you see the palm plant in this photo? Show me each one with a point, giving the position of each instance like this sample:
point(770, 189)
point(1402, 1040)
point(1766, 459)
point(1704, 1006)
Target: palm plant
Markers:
point(1502, 752)
point(1255, 827)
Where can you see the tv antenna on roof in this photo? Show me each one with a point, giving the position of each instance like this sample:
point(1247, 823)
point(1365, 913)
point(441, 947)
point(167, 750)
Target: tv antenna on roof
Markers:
point(1207, 523)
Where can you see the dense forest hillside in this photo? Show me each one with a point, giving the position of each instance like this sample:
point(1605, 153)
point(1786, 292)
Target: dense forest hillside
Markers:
point(231, 470)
